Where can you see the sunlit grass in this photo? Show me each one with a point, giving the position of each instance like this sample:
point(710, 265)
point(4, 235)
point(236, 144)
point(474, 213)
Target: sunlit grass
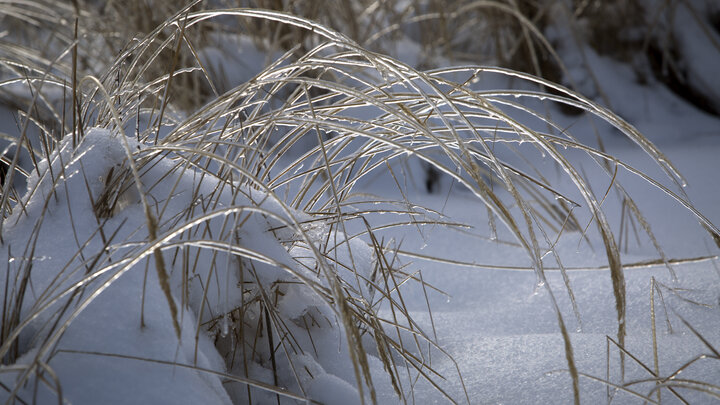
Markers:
point(292, 148)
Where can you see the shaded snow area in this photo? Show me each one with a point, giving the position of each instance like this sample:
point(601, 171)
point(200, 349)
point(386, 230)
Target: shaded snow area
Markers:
point(499, 325)
point(168, 273)
point(116, 342)
point(502, 331)
point(112, 321)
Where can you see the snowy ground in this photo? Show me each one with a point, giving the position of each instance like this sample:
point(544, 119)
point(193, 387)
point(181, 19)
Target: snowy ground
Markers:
point(503, 332)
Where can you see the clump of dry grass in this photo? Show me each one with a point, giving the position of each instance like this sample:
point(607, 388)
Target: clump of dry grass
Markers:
point(302, 136)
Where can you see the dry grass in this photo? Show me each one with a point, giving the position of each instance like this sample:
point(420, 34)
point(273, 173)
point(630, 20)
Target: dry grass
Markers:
point(351, 112)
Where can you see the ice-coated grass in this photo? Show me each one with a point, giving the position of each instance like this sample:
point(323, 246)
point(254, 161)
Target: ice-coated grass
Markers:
point(235, 242)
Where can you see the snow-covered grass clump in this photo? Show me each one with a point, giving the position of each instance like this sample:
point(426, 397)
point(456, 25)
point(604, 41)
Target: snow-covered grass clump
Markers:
point(66, 252)
point(87, 287)
point(275, 243)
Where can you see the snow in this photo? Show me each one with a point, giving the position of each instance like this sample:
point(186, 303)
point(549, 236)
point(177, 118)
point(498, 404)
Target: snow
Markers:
point(113, 324)
point(497, 326)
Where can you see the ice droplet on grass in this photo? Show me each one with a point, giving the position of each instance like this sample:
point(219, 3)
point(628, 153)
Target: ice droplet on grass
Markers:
point(538, 288)
point(34, 258)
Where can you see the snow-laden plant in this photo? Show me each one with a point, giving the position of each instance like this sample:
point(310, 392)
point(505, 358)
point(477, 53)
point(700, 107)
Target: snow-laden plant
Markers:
point(232, 242)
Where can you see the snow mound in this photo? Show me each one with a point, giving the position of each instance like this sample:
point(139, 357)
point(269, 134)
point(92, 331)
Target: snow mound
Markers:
point(92, 313)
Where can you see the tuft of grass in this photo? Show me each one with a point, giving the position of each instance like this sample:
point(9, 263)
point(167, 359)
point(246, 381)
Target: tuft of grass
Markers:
point(291, 149)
